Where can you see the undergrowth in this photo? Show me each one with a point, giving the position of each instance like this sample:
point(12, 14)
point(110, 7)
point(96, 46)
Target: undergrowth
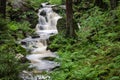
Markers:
point(10, 66)
point(95, 53)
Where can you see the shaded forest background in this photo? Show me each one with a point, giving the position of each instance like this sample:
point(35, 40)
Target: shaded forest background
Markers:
point(93, 53)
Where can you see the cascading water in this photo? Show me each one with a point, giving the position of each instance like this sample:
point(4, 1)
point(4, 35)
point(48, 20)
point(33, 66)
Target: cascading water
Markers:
point(45, 28)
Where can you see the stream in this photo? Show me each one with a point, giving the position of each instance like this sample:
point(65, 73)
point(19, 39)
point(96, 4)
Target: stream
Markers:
point(37, 46)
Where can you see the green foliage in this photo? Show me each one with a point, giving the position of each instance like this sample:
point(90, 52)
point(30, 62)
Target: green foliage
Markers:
point(10, 66)
point(94, 54)
point(36, 3)
point(117, 12)
point(55, 2)
point(14, 26)
point(2, 24)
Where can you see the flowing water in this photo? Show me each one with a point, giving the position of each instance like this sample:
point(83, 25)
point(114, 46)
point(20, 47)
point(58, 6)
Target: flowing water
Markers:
point(46, 27)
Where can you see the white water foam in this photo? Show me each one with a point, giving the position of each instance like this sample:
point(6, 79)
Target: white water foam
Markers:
point(46, 27)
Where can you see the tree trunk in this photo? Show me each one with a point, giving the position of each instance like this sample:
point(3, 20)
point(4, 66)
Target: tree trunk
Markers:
point(3, 8)
point(69, 21)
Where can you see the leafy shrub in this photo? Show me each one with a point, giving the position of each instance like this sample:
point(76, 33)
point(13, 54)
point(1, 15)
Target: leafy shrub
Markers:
point(10, 67)
point(55, 1)
point(36, 3)
point(94, 55)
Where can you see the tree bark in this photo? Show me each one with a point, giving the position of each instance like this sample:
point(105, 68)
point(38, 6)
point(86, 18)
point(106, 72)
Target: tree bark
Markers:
point(69, 20)
point(3, 8)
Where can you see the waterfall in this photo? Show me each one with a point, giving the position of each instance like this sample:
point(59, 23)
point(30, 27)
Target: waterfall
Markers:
point(46, 27)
